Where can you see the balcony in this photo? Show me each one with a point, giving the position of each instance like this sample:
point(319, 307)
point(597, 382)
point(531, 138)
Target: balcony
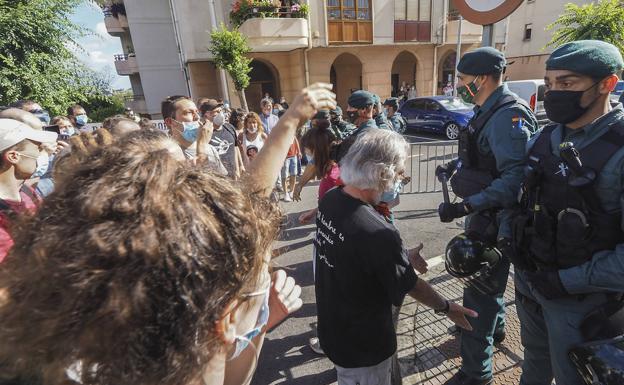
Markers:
point(471, 33)
point(275, 34)
point(126, 64)
point(136, 103)
point(115, 19)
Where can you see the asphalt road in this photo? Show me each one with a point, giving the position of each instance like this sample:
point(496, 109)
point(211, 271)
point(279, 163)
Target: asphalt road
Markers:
point(286, 357)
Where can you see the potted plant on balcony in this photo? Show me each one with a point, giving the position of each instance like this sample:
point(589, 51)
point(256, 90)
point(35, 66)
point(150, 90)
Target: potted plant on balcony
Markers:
point(250, 9)
point(299, 10)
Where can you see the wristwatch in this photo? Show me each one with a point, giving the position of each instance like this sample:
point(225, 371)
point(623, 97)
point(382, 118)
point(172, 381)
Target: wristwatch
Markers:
point(445, 309)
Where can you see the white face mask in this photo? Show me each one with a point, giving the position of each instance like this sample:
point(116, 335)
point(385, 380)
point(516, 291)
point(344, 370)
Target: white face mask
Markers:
point(252, 129)
point(218, 119)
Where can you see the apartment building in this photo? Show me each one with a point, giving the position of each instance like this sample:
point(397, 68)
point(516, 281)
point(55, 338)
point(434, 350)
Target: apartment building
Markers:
point(527, 37)
point(371, 44)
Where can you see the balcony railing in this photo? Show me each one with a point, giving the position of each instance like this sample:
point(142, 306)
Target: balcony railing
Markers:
point(126, 64)
point(275, 34)
point(115, 19)
point(136, 103)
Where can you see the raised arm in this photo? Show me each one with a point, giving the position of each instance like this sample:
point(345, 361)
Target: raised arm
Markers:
point(263, 171)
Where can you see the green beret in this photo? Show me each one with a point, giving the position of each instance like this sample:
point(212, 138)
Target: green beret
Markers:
point(322, 114)
point(361, 99)
point(593, 58)
point(392, 102)
point(336, 111)
point(482, 61)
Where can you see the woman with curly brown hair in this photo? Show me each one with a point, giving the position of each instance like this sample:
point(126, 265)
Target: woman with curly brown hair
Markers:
point(140, 269)
point(253, 135)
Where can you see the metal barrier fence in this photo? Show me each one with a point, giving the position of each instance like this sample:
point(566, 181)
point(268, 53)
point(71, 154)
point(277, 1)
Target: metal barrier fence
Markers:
point(422, 161)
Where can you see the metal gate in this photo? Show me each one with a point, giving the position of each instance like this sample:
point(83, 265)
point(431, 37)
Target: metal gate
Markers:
point(423, 158)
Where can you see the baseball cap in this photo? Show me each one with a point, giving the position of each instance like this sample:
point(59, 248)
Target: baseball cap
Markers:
point(209, 105)
point(12, 132)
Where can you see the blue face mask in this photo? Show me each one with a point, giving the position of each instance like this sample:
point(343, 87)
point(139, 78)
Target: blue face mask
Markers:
point(242, 342)
point(42, 115)
point(81, 120)
point(190, 131)
point(391, 195)
point(43, 162)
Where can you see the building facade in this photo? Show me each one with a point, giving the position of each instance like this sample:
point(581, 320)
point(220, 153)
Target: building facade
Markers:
point(378, 45)
point(527, 37)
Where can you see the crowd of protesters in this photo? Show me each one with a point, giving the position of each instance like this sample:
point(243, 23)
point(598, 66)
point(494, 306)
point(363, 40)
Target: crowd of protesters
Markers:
point(141, 256)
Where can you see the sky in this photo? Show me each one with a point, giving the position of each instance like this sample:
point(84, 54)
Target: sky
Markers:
point(99, 49)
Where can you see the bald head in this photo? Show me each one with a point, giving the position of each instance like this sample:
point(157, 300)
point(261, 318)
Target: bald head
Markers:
point(22, 116)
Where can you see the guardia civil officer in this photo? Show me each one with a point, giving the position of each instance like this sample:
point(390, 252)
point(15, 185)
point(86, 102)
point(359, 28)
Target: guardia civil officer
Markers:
point(378, 114)
point(360, 112)
point(568, 239)
point(487, 176)
point(398, 122)
point(340, 127)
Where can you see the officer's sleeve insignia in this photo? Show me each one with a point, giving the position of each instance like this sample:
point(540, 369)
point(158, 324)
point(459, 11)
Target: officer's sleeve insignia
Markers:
point(517, 122)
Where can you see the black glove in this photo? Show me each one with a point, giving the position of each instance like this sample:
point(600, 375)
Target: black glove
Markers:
point(450, 211)
point(506, 248)
point(446, 169)
point(547, 283)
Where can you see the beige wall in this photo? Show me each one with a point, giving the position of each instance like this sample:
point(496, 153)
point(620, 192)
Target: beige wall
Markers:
point(204, 80)
point(526, 67)
point(540, 13)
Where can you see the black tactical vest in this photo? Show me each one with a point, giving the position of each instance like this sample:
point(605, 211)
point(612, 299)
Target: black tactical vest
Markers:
point(560, 225)
point(477, 170)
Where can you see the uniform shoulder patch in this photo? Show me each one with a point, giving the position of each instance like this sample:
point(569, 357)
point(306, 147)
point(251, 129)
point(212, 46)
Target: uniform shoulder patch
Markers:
point(517, 121)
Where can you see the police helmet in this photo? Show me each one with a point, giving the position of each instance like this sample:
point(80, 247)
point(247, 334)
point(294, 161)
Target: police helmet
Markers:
point(600, 362)
point(472, 262)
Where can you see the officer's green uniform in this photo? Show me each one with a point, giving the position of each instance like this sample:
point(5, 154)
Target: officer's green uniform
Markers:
point(381, 120)
point(488, 174)
point(339, 127)
point(566, 268)
point(359, 99)
point(396, 120)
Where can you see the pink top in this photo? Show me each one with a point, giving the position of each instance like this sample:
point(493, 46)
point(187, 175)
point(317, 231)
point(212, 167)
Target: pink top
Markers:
point(329, 181)
point(26, 205)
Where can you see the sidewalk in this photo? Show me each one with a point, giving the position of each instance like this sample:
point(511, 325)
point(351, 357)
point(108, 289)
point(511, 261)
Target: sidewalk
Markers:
point(428, 355)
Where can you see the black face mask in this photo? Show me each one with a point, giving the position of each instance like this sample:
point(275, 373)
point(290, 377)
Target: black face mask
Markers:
point(565, 106)
point(353, 115)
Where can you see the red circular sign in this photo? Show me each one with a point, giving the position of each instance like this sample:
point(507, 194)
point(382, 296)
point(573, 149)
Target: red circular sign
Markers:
point(486, 11)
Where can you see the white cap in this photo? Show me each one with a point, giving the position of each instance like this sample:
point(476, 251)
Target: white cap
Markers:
point(12, 132)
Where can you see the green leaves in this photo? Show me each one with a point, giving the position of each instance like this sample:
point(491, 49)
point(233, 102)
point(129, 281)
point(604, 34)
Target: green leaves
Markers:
point(229, 49)
point(37, 54)
point(603, 20)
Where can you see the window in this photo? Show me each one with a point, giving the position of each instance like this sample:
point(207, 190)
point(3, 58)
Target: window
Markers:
point(418, 104)
point(413, 10)
point(349, 9)
point(412, 20)
point(527, 31)
point(349, 21)
point(433, 106)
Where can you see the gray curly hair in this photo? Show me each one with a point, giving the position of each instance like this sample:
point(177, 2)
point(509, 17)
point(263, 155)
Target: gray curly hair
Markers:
point(374, 160)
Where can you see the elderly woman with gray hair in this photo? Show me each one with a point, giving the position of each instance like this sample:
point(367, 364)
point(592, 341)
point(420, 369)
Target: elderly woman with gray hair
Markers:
point(362, 268)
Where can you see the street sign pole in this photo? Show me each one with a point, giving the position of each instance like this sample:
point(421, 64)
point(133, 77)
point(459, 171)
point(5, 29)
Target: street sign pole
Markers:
point(457, 52)
point(488, 36)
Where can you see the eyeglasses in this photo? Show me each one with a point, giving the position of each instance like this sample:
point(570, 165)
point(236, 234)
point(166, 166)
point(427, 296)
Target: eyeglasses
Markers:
point(28, 156)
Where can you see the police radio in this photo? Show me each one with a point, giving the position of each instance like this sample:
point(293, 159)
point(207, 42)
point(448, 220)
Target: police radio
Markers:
point(581, 176)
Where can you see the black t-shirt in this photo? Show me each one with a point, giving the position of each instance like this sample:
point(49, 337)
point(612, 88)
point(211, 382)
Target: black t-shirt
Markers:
point(361, 271)
point(225, 141)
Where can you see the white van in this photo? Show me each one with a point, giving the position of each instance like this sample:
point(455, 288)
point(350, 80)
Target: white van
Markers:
point(532, 92)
